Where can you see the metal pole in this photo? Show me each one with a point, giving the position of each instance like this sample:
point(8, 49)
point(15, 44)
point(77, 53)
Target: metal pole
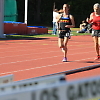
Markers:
point(26, 9)
point(54, 5)
point(2, 19)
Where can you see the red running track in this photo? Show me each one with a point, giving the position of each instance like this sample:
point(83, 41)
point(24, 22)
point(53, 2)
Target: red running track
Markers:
point(37, 57)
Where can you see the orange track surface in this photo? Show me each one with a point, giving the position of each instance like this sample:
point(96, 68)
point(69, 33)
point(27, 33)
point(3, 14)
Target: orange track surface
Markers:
point(37, 57)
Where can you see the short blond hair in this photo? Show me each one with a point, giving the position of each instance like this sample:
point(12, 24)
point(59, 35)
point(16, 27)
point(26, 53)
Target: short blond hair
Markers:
point(96, 5)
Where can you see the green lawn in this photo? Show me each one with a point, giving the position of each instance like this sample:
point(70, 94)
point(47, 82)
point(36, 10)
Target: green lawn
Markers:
point(73, 33)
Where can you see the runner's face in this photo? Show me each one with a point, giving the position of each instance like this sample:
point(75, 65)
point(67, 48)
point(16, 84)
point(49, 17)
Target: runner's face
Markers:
point(65, 8)
point(96, 9)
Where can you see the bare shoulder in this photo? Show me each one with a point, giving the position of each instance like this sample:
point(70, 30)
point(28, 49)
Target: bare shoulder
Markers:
point(71, 16)
point(92, 14)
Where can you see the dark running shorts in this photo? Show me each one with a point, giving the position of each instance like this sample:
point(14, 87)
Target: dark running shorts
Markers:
point(95, 33)
point(63, 34)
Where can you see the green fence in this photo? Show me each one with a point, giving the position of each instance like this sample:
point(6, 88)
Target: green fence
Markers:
point(10, 10)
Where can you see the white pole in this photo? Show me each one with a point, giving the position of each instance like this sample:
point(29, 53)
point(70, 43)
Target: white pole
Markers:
point(2, 19)
point(26, 9)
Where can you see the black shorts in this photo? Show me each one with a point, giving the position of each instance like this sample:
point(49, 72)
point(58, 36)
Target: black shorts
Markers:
point(63, 34)
point(95, 33)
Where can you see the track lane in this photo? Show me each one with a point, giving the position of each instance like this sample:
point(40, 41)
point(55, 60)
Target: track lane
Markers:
point(33, 58)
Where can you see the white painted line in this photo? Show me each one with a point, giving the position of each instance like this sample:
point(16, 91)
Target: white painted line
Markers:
point(43, 48)
point(42, 52)
point(41, 67)
point(41, 58)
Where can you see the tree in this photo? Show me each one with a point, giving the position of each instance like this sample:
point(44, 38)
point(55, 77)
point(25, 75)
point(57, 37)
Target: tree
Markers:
point(40, 11)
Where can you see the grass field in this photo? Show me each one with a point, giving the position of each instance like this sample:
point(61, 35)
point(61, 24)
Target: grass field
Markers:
point(49, 34)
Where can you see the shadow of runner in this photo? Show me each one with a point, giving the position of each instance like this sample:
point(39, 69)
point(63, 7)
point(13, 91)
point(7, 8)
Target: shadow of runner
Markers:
point(89, 61)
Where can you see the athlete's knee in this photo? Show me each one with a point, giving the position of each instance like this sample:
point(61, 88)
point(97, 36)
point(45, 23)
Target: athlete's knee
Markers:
point(61, 46)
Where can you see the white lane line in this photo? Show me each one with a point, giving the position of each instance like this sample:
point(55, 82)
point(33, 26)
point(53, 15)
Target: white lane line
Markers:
point(41, 52)
point(16, 50)
point(43, 48)
point(40, 58)
point(41, 67)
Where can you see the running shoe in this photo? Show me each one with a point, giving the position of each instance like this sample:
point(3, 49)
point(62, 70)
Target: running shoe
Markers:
point(97, 58)
point(64, 59)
